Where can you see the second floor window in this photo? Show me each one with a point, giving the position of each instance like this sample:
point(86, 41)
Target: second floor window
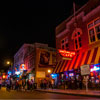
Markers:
point(94, 30)
point(77, 38)
point(64, 43)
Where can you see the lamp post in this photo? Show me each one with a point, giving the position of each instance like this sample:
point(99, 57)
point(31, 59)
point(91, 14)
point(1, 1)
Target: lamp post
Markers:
point(10, 64)
point(49, 72)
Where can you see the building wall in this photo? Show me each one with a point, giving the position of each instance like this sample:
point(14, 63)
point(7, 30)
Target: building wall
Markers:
point(83, 16)
point(23, 54)
point(44, 68)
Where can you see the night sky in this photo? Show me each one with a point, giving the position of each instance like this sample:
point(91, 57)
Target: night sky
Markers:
point(30, 22)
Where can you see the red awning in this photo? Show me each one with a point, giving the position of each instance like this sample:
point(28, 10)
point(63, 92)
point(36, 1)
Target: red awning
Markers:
point(87, 57)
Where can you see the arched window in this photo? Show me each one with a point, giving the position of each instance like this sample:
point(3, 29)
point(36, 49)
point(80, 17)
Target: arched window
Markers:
point(76, 36)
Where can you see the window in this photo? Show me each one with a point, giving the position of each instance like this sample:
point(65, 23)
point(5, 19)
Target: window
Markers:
point(64, 43)
point(94, 30)
point(77, 38)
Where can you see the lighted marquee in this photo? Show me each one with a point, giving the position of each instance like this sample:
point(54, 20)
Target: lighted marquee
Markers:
point(68, 54)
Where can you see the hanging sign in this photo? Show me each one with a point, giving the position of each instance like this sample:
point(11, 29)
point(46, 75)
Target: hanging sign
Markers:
point(85, 70)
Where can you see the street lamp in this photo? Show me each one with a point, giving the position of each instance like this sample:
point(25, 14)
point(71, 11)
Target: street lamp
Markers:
point(49, 71)
point(10, 64)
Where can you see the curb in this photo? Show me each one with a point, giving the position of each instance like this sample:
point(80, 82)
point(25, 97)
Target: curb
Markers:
point(97, 96)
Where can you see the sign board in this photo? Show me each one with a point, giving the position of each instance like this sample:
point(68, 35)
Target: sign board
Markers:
point(65, 58)
point(85, 70)
point(65, 53)
point(40, 74)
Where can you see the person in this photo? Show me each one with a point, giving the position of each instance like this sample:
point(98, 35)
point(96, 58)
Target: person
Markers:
point(28, 84)
point(13, 84)
point(0, 83)
point(41, 84)
point(20, 84)
point(31, 84)
point(44, 83)
point(16, 85)
point(52, 83)
point(8, 84)
point(23, 83)
point(49, 84)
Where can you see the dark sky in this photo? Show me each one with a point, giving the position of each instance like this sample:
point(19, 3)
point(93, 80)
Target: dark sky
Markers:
point(31, 21)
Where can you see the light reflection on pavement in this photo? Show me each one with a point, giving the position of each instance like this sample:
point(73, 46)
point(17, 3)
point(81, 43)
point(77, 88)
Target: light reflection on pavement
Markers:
point(13, 94)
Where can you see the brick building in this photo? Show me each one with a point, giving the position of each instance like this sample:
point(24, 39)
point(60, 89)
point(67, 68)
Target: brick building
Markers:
point(36, 61)
point(81, 34)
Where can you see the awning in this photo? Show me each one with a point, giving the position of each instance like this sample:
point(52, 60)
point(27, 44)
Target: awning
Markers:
point(91, 56)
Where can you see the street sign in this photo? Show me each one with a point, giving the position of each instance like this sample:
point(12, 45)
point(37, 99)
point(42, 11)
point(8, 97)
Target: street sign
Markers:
point(85, 70)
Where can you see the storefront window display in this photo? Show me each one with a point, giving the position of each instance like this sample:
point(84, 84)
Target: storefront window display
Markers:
point(94, 79)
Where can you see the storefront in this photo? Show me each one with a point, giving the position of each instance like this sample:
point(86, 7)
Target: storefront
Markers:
point(94, 79)
point(69, 70)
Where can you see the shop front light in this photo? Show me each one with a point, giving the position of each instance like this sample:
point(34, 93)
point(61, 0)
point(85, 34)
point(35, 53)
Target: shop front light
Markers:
point(95, 68)
point(49, 71)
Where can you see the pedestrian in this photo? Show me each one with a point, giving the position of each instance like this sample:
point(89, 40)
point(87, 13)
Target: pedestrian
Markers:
point(0, 83)
point(41, 84)
point(28, 84)
point(45, 83)
point(8, 84)
point(31, 84)
point(20, 84)
point(16, 85)
point(13, 84)
point(80, 84)
point(52, 83)
point(23, 84)
point(49, 84)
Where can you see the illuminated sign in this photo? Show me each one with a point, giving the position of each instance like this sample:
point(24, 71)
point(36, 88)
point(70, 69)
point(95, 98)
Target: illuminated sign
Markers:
point(71, 74)
point(65, 53)
point(22, 67)
point(95, 68)
point(9, 72)
point(65, 58)
point(54, 76)
point(17, 72)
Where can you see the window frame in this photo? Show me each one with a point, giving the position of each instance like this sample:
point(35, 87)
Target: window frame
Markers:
point(64, 43)
point(78, 42)
point(76, 37)
point(94, 28)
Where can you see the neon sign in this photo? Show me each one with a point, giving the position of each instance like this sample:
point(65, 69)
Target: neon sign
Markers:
point(22, 67)
point(95, 68)
point(65, 53)
point(71, 74)
point(17, 72)
point(54, 76)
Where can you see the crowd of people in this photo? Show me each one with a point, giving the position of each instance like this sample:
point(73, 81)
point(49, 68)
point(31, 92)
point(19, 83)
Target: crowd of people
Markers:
point(47, 84)
point(25, 84)
point(18, 84)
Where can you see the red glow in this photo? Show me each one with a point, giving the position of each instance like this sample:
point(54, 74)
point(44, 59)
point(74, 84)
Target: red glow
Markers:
point(3, 76)
point(23, 67)
point(66, 53)
point(91, 74)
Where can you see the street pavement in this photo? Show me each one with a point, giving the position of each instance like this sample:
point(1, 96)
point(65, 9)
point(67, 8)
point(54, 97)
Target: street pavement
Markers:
point(13, 94)
point(90, 93)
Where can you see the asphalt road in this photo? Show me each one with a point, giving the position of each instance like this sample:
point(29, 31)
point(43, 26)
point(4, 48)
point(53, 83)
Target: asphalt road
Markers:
point(37, 95)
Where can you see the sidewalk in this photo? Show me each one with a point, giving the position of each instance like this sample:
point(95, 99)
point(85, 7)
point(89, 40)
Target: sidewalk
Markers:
point(90, 93)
